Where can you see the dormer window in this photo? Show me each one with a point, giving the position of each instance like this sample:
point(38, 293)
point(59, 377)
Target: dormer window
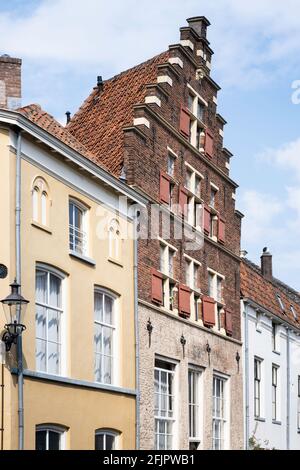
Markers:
point(40, 202)
point(280, 303)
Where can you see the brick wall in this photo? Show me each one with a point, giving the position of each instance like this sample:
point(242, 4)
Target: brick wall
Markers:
point(10, 82)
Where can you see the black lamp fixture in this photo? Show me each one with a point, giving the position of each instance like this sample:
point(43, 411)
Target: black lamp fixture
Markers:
point(149, 329)
point(183, 344)
point(14, 306)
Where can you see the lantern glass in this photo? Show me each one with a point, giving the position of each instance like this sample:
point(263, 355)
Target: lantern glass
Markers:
point(14, 311)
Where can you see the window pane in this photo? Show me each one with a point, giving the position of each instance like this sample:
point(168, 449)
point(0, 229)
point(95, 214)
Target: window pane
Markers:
point(44, 208)
point(107, 369)
point(78, 216)
point(53, 326)
point(98, 376)
point(110, 442)
point(54, 440)
point(40, 322)
point(107, 341)
point(40, 355)
point(55, 294)
point(98, 307)
point(53, 358)
point(99, 442)
point(40, 440)
point(108, 310)
point(35, 202)
point(98, 338)
point(41, 286)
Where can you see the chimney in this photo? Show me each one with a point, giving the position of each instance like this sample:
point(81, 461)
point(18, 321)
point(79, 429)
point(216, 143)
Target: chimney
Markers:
point(10, 82)
point(199, 24)
point(266, 264)
point(68, 114)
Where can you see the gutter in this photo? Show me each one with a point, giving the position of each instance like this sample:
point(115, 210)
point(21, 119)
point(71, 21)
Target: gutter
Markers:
point(136, 328)
point(288, 388)
point(246, 381)
point(18, 278)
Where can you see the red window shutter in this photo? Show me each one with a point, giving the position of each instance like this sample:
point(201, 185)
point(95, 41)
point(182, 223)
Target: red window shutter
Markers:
point(209, 143)
point(228, 321)
point(157, 287)
point(206, 219)
point(221, 230)
point(164, 190)
point(184, 301)
point(183, 200)
point(185, 122)
point(208, 311)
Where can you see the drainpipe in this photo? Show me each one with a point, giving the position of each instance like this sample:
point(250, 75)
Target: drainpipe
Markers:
point(246, 352)
point(288, 389)
point(137, 341)
point(18, 277)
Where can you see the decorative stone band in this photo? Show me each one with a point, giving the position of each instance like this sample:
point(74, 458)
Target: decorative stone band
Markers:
point(141, 121)
point(177, 61)
point(187, 43)
point(165, 79)
point(153, 100)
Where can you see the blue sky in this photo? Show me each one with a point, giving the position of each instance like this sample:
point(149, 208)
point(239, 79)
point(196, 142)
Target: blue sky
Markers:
point(65, 44)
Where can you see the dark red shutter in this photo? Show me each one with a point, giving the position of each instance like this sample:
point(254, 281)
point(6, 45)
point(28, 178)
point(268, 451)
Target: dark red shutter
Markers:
point(221, 230)
point(209, 143)
point(185, 122)
point(228, 321)
point(206, 219)
point(208, 311)
point(157, 287)
point(164, 190)
point(184, 301)
point(183, 200)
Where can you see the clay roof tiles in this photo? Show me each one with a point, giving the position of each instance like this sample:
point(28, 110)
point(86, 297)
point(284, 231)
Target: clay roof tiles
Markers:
point(265, 293)
point(99, 121)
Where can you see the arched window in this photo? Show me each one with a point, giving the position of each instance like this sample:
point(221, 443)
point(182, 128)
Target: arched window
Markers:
point(106, 439)
point(77, 227)
point(105, 336)
point(50, 437)
point(40, 202)
point(48, 319)
point(114, 240)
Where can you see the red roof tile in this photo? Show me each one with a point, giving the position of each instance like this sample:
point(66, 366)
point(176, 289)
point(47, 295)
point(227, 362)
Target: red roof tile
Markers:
point(99, 122)
point(35, 114)
point(263, 292)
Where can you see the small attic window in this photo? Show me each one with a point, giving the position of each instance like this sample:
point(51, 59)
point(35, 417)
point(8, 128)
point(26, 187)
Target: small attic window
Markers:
point(293, 312)
point(280, 302)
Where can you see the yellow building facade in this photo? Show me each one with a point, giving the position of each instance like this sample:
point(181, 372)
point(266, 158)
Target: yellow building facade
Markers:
point(77, 268)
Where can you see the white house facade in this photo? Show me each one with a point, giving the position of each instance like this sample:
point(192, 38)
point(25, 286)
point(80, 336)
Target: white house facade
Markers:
point(271, 347)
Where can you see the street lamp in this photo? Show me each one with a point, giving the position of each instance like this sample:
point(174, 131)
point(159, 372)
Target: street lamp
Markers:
point(14, 306)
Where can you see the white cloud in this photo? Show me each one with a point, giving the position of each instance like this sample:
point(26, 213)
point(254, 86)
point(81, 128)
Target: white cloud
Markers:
point(261, 214)
point(247, 36)
point(286, 157)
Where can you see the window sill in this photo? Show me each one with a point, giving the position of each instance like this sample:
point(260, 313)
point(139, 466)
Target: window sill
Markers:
point(276, 422)
point(116, 262)
point(261, 420)
point(82, 258)
point(41, 227)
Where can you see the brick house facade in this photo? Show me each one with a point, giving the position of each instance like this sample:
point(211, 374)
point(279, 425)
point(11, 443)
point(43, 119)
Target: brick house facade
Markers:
point(157, 127)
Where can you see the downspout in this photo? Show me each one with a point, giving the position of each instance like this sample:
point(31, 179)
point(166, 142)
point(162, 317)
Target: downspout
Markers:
point(137, 341)
point(288, 382)
point(18, 277)
point(247, 408)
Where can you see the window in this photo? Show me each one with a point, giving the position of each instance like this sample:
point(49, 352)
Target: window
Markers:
point(298, 404)
point(215, 286)
point(48, 321)
point(274, 392)
point(294, 313)
point(193, 182)
point(280, 302)
point(164, 405)
point(194, 408)
point(196, 108)
point(104, 339)
point(257, 388)
point(213, 194)
point(105, 439)
point(48, 437)
point(219, 413)
point(114, 240)
point(78, 236)
point(167, 256)
point(40, 202)
point(274, 336)
point(171, 164)
point(192, 280)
